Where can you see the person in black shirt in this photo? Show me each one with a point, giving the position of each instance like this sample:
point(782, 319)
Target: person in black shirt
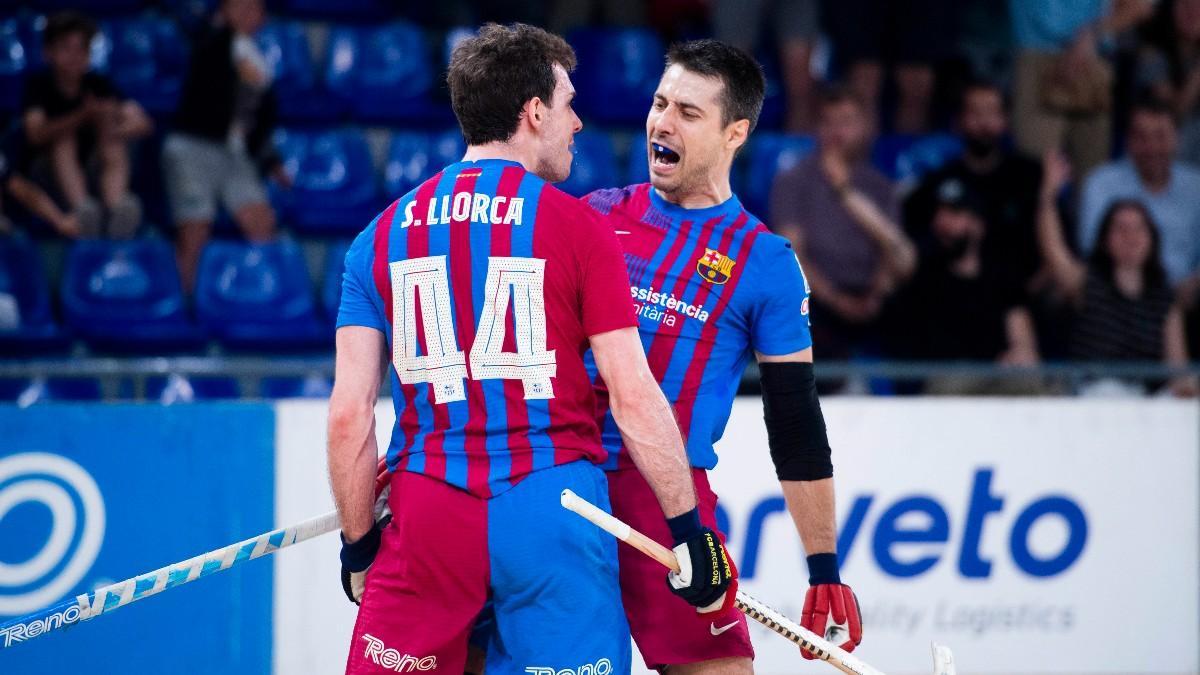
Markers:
point(221, 146)
point(15, 182)
point(1005, 183)
point(958, 306)
point(75, 119)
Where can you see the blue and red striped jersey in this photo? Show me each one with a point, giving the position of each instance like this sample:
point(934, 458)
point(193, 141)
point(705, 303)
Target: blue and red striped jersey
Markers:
point(710, 287)
point(487, 282)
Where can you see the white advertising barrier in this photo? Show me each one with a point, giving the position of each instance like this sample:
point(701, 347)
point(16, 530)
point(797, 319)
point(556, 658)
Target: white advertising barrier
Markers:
point(1032, 536)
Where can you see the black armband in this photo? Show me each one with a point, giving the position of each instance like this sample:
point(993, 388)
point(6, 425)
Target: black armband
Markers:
point(795, 425)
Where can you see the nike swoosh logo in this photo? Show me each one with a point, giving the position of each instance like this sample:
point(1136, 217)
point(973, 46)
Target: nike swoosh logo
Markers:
point(712, 628)
point(622, 232)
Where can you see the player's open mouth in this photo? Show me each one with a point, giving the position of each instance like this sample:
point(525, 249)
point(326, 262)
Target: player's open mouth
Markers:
point(662, 157)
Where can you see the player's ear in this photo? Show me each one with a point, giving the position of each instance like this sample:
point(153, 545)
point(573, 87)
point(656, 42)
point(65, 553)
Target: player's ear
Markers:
point(736, 134)
point(535, 111)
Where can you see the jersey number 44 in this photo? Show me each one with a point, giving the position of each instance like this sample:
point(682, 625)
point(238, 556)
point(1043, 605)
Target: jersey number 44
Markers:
point(515, 282)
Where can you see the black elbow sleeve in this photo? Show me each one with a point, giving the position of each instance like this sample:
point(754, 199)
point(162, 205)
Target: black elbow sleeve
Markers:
point(795, 425)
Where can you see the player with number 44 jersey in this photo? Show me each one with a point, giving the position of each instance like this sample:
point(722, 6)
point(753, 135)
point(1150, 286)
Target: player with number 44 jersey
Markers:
point(713, 288)
point(479, 293)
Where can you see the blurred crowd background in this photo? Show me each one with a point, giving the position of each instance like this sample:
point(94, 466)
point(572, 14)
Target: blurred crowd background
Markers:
point(965, 181)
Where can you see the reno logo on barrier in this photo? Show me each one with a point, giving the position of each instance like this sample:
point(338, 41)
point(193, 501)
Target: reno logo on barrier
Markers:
point(77, 520)
point(895, 529)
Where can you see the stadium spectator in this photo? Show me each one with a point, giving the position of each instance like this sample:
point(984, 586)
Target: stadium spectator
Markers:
point(15, 182)
point(1063, 85)
point(959, 304)
point(795, 25)
point(1123, 303)
point(910, 38)
point(841, 216)
point(1169, 68)
point(1005, 183)
point(221, 146)
point(79, 127)
point(1169, 188)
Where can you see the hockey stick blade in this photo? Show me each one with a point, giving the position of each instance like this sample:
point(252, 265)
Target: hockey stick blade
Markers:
point(772, 619)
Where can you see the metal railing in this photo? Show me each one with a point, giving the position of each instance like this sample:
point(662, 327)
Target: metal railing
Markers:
point(125, 378)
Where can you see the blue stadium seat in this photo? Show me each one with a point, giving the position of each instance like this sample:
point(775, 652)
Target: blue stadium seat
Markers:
point(26, 391)
point(257, 296)
point(769, 154)
point(313, 386)
point(637, 170)
point(906, 158)
point(384, 73)
point(618, 72)
point(414, 156)
point(595, 164)
point(351, 10)
point(26, 323)
point(14, 62)
point(126, 296)
point(331, 288)
point(92, 7)
point(335, 189)
point(302, 97)
point(148, 61)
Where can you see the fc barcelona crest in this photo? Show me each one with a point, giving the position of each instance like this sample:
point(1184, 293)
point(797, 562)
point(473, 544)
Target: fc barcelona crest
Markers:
point(714, 266)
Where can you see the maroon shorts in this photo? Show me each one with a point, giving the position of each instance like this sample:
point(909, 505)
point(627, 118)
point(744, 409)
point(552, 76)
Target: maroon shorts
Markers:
point(666, 630)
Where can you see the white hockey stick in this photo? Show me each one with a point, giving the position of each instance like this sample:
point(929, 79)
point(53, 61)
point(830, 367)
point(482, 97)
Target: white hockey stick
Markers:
point(90, 605)
point(943, 660)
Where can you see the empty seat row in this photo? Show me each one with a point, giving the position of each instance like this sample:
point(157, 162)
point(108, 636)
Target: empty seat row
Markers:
point(126, 297)
point(381, 73)
point(337, 189)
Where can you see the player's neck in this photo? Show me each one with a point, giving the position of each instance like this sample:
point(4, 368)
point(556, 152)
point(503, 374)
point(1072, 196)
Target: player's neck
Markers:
point(711, 193)
point(526, 157)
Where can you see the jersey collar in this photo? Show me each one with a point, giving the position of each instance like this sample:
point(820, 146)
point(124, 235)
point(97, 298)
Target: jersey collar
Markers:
point(728, 207)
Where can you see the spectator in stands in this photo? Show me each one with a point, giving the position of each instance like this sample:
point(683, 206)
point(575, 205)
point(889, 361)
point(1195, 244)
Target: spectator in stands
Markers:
point(1063, 85)
point(959, 305)
point(796, 25)
point(1169, 68)
point(1169, 189)
point(841, 216)
point(221, 146)
point(910, 37)
point(15, 182)
point(1123, 303)
point(77, 123)
point(1005, 182)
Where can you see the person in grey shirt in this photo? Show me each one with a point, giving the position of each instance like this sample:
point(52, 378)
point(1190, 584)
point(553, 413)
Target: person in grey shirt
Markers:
point(842, 218)
point(1170, 189)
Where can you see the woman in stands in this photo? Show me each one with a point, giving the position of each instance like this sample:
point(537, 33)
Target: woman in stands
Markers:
point(1124, 307)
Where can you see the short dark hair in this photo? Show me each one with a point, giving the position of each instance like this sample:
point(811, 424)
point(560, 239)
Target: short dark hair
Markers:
point(838, 95)
point(742, 77)
point(980, 84)
point(494, 73)
point(1151, 105)
point(67, 23)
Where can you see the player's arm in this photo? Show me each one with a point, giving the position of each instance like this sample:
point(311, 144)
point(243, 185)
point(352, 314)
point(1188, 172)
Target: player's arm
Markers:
point(352, 449)
point(796, 435)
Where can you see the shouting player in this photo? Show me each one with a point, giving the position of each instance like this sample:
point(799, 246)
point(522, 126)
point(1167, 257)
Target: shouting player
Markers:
point(712, 287)
point(484, 286)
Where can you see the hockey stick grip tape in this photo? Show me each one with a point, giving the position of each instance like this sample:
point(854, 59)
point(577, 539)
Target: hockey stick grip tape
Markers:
point(606, 522)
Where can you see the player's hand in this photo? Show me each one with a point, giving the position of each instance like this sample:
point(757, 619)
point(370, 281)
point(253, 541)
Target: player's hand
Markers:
point(358, 555)
point(831, 611)
point(704, 572)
